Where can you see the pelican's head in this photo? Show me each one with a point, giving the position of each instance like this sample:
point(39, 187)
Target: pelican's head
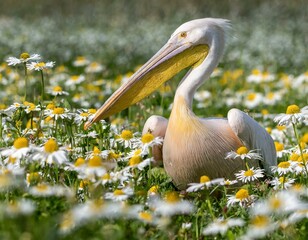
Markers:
point(188, 46)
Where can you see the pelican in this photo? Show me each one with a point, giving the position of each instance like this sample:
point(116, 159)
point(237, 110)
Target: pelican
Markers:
point(192, 146)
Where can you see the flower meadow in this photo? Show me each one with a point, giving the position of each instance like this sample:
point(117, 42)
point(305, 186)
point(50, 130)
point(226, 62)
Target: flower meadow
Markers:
point(60, 181)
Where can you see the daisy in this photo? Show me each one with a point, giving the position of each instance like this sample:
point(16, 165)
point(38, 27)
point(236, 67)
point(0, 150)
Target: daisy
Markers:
point(31, 107)
point(40, 66)
point(57, 91)
point(241, 197)
point(282, 182)
point(170, 205)
point(227, 182)
point(84, 115)
point(94, 67)
point(282, 168)
point(205, 182)
point(24, 58)
point(259, 227)
point(243, 153)
point(126, 138)
point(293, 115)
point(249, 175)
point(57, 112)
point(120, 194)
point(45, 190)
point(222, 225)
point(252, 100)
point(80, 61)
point(138, 162)
point(148, 141)
point(280, 151)
point(94, 168)
point(19, 149)
point(282, 202)
point(50, 153)
point(20, 207)
point(271, 98)
point(75, 80)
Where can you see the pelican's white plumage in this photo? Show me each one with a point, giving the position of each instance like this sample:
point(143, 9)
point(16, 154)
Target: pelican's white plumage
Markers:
point(192, 146)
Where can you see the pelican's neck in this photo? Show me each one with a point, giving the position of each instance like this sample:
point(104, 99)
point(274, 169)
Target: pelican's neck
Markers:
point(197, 75)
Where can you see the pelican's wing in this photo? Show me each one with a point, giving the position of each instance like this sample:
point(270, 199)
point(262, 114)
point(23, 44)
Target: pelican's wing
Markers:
point(253, 136)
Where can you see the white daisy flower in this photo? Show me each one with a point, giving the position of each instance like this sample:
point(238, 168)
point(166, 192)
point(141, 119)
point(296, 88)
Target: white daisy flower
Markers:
point(205, 182)
point(94, 67)
point(282, 168)
point(57, 112)
point(81, 61)
point(293, 115)
point(45, 190)
point(222, 225)
point(282, 202)
point(58, 91)
point(241, 197)
point(120, 194)
point(252, 100)
point(75, 80)
point(24, 58)
point(249, 175)
point(282, 182)
point(19, 207)
point(243, 153)
point(39, 66)
point(259, 227)
point(127, 139)
point(19, 149)
point(50, 153)
point(170, 205)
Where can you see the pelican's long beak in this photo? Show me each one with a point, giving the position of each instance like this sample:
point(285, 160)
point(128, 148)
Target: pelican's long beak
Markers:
point(167, 62)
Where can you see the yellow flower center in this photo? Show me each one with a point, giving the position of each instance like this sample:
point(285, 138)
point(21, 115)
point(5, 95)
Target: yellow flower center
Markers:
point(58, 110)
point(282, 179)
point(80, 161)
point(284, 164)
point(294, 157)
point(249, 173)
point(242, 194)
point(279, 146)
point(146, 216)
point(260, 221)
point(33, 177)
point(146, 138)
point(126, 135)
point(303, 158)
point(51, 146)
point(153, 189)
point(84, 114)
point(251, 96)
point(12, 159)
point(134, 160)
point(50, 106)
point(255, 72)
point(42, 187)
point(96, 150)
point(92, 110)
point(270, 95)
point(242, 150)
point(106, 176)
point(264, 112)
point(57, 89)
point(21, 142)
point(118, 192)
point(95, 161)
point(204, 179)
point(281, 128)
point(24, 55)
point(40, 65)
point(305, 138)
point(172, 197)
point(292, 109)
point(275, 203)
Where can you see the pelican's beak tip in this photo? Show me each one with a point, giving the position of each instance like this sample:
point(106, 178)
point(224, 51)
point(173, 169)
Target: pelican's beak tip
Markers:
point(87, 125)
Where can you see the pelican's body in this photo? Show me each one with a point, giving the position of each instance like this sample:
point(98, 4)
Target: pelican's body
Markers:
point(192, 146)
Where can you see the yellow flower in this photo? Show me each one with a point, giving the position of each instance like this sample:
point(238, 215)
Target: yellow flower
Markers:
point(21, 142)
point(292, 109)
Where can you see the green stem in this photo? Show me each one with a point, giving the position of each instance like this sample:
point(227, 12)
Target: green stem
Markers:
point(300, 147)
point(43, 86)
point(26, 81)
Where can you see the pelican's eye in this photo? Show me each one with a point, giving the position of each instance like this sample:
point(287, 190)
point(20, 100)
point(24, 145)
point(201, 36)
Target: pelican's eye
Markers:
point(183, 34)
